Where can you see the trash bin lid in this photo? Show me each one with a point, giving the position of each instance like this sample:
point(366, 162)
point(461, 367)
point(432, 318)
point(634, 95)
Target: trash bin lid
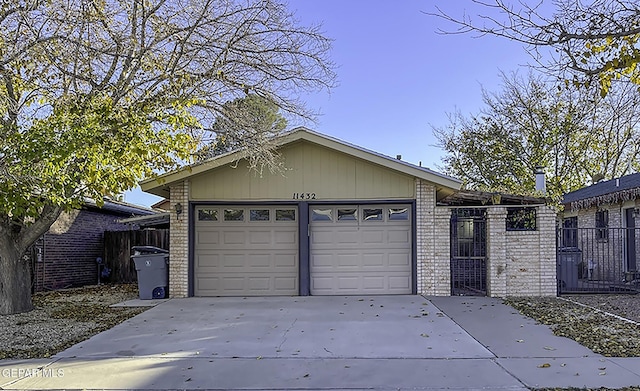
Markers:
point(149, 250)
point(570, 250)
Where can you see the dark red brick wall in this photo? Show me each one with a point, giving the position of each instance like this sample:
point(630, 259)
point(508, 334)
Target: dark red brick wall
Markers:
point(70, 248)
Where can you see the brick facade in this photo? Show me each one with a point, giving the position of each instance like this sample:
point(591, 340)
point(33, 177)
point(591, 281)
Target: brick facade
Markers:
point(179, 241)
point(497, 244)
point(66, 255)
point(432, 243)
point(531, 258)
point(519, 263)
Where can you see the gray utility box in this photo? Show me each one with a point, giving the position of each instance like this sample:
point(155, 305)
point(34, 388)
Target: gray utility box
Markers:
point(152, 267)
point(569, 259)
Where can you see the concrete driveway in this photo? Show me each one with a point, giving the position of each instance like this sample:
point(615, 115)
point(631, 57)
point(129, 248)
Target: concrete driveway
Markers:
point(380, 342)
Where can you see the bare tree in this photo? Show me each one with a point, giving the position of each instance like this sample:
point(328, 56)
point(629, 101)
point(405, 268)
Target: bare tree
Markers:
point(595, 41)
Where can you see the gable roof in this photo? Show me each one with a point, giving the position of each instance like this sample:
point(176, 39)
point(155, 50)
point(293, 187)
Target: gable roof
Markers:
point(606, 192)
point(160, 185)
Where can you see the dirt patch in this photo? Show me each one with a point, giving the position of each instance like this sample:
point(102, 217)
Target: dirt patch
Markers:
point(63, 318)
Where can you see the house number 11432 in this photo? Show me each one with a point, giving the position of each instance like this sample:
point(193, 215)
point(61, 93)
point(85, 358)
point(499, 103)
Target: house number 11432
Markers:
point(304, 196)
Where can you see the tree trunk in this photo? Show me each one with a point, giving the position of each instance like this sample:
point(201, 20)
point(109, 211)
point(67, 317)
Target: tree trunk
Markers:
point(15, 280)
point(15, 271)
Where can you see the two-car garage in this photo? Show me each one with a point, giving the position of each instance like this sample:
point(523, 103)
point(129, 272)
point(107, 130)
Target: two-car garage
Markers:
point(255, 250)
point(336, 219)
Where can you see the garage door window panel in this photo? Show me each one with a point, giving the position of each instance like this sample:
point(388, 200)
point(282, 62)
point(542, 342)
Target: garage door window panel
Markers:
point(350, 214)
point(285, 215)
point(207, 215)
point(398, 214)
point(234, 215)
point(321, 214)
point(259, 215)
point(370, 215)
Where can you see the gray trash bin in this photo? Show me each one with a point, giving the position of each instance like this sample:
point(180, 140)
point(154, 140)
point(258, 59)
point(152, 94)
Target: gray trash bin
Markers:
point(152, 267)
point(569, 259)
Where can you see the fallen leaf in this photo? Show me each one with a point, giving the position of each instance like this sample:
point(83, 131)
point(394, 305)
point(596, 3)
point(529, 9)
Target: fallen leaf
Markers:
point(545, 365)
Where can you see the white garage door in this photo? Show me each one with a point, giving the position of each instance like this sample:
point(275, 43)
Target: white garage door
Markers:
point(363, 249)
point(246, 251)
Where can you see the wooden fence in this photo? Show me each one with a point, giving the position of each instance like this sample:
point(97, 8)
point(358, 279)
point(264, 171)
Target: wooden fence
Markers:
point(117, 250)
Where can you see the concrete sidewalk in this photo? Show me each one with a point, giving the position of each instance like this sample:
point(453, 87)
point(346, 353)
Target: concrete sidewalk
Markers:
point(380, 342)
point(530, 352)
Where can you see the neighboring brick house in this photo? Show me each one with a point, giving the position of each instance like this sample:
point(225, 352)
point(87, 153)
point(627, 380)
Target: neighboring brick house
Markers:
point(599, 232)
point(66, 256)
point(343, 220)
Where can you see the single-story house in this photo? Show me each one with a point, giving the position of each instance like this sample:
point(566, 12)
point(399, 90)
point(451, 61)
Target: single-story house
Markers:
point(340, 220)
point(599, 232)
point(68, 254)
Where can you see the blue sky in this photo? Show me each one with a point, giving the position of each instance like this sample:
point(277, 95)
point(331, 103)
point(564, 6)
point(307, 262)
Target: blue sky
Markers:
point(397, 76)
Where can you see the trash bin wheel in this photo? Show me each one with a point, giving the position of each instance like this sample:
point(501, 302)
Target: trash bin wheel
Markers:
point(158, 293)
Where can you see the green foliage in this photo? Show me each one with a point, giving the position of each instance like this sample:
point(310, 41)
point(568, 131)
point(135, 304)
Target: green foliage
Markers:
point(573, 133)
point(86, 147)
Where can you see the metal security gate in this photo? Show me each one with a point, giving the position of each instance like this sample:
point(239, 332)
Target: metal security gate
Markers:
point(597, 260)
point(469, 252)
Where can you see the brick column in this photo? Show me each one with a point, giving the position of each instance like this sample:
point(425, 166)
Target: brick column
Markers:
point(547, 216)
point(496, 252)
point(432, 236)
point(179, 242)
point(442, 251)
